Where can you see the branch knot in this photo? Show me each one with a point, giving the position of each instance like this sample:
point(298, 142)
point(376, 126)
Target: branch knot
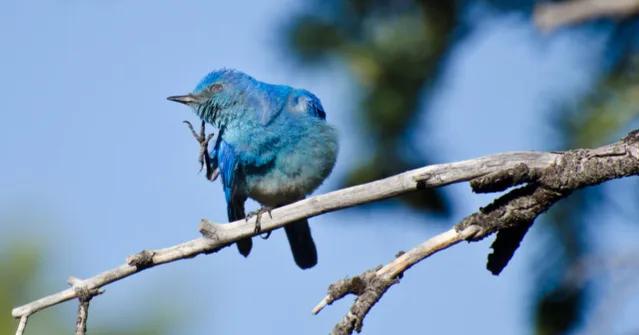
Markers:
point(209, 230)
point(141, 260)
point(82, 290)
point(632, 137)
point(501, 180)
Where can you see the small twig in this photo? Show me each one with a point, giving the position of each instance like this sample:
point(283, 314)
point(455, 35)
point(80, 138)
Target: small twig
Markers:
point(83, 315)
point(84, 297)
point(408, 259)
point(22, 325)
point(327, 300)
point(371, 285)
point(426, 249)
point(549, 16)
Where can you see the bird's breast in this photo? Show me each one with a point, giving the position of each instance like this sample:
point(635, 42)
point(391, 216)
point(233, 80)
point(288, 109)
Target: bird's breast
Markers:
point(298, 166)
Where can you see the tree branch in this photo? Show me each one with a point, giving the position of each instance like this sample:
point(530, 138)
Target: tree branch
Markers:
point(371, 285)
point(22, 325)
point(83, 315)
point(510, 215)
point(549, 16)
point(488, 173)
point(84, 297)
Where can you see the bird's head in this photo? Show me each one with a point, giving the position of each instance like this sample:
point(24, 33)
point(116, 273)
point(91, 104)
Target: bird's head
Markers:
point(217, 91)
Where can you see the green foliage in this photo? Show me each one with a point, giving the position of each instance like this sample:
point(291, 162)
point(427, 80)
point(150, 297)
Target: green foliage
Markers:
point(19, 263)
point(20, 278)
point(610, 109)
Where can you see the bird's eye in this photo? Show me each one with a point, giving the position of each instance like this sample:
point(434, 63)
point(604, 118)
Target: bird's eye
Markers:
point(215, 88)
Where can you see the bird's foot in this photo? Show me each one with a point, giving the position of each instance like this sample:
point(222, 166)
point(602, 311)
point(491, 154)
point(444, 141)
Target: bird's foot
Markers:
point(204, 158)
point(266, 235)
point(258, 215)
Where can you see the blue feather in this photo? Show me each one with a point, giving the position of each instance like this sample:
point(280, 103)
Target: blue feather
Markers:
point(227, 161)
point(228, 165)
point(312, 104)
point(275, 146)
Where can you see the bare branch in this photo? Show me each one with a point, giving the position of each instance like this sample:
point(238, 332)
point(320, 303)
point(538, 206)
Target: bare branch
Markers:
point(549, 16)
point(83, 314)
point(386, 276)
point(510, 215)
point(221, 235)
point(22, 325)
point(559, 172)
point(84, 297)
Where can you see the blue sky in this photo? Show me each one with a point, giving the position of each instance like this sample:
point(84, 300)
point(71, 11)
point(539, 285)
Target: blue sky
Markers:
point(98, 164)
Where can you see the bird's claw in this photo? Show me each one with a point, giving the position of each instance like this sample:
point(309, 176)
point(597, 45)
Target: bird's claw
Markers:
point(266, 235)
point(258, 216)
point(204, 159)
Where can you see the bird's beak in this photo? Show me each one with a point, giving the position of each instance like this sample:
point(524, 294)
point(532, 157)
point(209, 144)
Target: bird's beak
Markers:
point(184, 99)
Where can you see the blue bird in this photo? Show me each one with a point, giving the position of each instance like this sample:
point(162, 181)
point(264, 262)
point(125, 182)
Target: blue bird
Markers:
point(273, 145)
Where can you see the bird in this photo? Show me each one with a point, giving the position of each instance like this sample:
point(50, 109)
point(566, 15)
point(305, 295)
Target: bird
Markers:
point(273, 145)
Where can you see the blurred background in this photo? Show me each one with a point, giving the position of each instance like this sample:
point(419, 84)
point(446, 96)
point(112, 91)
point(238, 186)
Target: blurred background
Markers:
point(96, 164)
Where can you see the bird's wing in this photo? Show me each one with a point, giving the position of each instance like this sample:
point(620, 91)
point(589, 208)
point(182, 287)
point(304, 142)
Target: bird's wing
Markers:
point(213, 154)
point(306, 102)
point(270, 102)
point(227, 160)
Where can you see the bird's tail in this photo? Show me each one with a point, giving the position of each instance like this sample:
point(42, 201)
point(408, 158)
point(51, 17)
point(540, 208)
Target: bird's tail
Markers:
point(301, 242)
point(244, 246)
point(235, 211)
